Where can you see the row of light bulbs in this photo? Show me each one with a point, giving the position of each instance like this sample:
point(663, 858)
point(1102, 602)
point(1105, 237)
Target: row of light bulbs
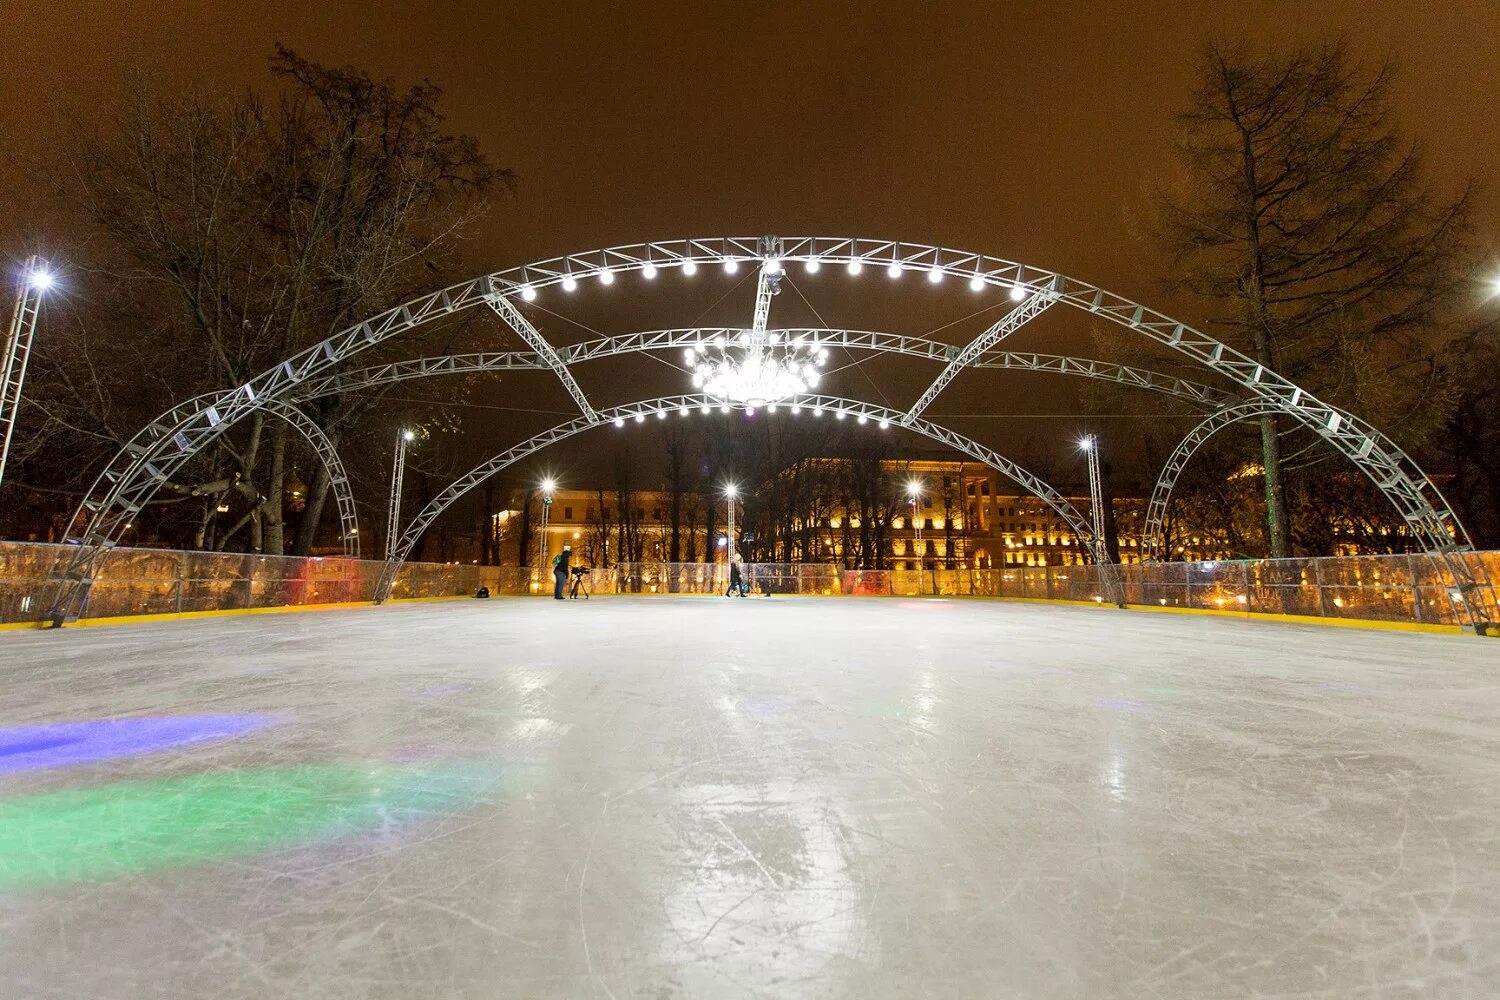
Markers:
point(817, 411)
point(935, 274)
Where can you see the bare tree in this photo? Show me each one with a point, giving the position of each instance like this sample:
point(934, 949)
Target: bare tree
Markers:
point(1302, 218)
point(233, 228)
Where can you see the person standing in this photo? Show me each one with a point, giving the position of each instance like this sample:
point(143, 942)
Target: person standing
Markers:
point(560, 570)
point(736, 577)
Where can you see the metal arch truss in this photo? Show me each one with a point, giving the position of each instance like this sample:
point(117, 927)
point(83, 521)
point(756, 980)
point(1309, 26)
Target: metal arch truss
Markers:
point(507, 311)
point(81, 570)
point(338, 478)
point(136, 473)
point(659, 340)
point(664, 407)
point(1153, 542)
point(1007, 325)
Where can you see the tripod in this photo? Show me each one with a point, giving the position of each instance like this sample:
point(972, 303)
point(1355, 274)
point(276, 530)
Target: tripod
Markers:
point(578, 585)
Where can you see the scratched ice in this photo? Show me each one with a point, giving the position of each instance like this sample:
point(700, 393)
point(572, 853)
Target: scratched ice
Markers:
point(773, 798)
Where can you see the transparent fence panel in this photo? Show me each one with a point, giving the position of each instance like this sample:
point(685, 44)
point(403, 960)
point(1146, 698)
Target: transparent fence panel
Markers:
point(1402, 588)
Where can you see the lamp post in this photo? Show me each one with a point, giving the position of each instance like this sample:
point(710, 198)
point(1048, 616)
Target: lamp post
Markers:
point(398, 473)
point(914, 497)
point(1090, 446)
point(730, 493)
point(548, 486)
point(1109, 574)
point(35, 280)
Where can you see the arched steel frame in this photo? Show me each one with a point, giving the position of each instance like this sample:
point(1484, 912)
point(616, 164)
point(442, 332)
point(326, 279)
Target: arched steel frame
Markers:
point(666, 406)
point(1153, 544)
point(338, 479)
point(135, 474)
point(1060, 364)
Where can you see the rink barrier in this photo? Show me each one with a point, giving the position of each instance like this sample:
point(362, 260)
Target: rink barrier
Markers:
point(1404, 591)
point(170, 616)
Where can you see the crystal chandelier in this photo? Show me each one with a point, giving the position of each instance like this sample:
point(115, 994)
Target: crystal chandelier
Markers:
point(756, 366)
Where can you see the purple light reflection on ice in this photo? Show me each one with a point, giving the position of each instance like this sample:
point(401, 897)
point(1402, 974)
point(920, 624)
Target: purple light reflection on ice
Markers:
point(64, 744)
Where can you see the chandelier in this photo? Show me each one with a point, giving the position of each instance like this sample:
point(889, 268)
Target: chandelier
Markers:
point(755, 367)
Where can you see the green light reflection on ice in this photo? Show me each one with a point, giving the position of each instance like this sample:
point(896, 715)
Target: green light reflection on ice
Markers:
point(140, 826)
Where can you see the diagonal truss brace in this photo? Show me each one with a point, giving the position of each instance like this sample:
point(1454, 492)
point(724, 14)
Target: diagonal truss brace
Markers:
point(507, 311)
point(1003, 328)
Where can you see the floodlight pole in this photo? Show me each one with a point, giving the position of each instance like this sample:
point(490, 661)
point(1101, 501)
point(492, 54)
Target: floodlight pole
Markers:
point(1090, 446)
point(730, 494)
point(541, 559)
point(18, 351)
point(1109, 574)
point(398, 473)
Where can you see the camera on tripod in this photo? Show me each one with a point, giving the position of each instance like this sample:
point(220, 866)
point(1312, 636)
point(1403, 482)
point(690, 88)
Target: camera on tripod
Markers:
point(580, 582)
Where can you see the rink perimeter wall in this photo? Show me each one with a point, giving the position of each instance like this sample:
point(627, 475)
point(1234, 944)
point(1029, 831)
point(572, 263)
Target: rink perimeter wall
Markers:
point(1400, 591)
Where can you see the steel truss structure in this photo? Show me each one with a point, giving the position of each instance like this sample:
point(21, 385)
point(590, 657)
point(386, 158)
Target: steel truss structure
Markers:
point(17, 354)
point(338, 479)
point(816, 406)
point(656, 340)
point(1153, 540)
point(161, 448)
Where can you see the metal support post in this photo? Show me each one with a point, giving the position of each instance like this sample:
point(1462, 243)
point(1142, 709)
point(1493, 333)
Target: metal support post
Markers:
point(393, 511)
point(541, 560)
point(35, 279)
point(1108, 572)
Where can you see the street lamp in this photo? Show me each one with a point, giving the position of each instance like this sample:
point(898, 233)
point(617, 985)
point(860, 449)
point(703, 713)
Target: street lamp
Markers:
point(914, 497)
point(36, 279)
point(731, 494)
point(548, 486)
point(1089, 445)
point(398, 473)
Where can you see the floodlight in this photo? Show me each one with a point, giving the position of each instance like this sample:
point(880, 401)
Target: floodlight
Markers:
point(607, 276)
point(855, 267)
point(408, 435)
point(731, 265)
point(528, 293)
point(976, 284)
point(813, 265)
point(690, 267)
point(894, 270)
point(649, 271)
point(569, 283)
point(548, 485)
point(1017, 292)
point(934, 274)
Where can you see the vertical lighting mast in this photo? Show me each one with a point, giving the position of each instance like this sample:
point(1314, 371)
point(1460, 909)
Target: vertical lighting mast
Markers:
point(398, 473)
point(548, 487)
point(35, 280)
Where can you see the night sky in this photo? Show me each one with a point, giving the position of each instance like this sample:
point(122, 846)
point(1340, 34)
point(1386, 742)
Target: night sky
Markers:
point(1025, 131)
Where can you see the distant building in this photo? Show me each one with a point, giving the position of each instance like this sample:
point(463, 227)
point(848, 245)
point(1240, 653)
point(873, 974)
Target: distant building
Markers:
point(967, 516)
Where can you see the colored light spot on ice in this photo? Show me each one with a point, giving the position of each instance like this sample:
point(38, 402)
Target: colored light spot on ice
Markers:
point(133, 827)
point(63, 744)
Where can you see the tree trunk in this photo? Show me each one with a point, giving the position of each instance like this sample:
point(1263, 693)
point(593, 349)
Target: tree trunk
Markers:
point(523, 545)
point(487, 526)
point(275, 487)
point(1278, 532)
point(1107, 505)
point(312, 514)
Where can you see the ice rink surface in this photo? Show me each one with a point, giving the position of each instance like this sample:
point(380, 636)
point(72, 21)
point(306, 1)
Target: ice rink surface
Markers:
point(791, 797)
